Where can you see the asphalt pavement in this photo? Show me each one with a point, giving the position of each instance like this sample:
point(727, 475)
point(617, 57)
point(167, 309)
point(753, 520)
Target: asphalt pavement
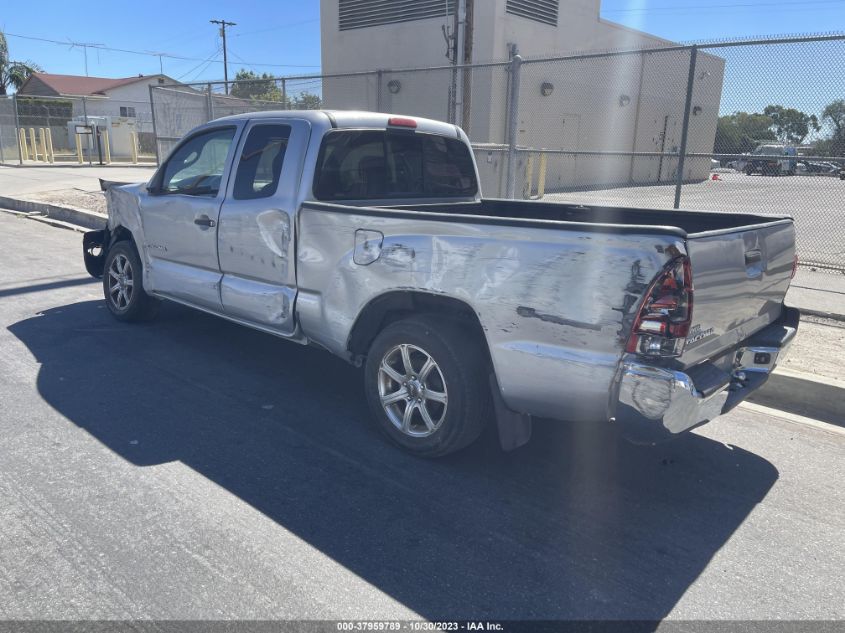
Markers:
point(191, 468)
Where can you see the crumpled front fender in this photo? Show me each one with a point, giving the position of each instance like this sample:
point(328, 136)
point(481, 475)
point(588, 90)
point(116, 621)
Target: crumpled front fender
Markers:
point(94, 248)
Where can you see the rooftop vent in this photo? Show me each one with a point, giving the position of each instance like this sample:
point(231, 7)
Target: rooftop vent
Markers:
point(359, 14)
point(539, 10)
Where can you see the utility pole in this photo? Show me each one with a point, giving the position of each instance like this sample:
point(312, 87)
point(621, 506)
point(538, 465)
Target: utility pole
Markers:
point(459, 54)
point(223, 24)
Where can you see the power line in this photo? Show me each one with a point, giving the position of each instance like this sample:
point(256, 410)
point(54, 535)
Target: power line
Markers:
point(276, 28)
point(202, 70)
point(151, 54)
point(202, 61)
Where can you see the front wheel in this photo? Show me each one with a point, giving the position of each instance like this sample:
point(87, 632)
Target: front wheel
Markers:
point(123, 285)
point(426, 383)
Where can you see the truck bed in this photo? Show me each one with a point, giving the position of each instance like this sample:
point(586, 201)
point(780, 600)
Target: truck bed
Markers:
point(685, 222)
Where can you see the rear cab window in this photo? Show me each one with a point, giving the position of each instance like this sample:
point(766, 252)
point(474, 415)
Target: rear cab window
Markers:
point(376, 164)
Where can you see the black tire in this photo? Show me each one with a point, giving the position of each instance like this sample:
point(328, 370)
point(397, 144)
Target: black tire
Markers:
point(461, 366)
point(749, 171)
point(127, 302)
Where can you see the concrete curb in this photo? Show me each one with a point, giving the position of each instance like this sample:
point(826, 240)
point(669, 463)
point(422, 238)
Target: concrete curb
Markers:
point(75, 165)
point(805, 395)
point(70, 215)
point(822, 314)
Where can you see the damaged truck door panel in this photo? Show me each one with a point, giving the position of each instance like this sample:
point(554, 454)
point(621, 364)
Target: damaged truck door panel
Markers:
point(366, 234)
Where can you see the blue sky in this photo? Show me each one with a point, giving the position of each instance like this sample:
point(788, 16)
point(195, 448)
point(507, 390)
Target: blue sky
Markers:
point(285, 34)
point(283, 37)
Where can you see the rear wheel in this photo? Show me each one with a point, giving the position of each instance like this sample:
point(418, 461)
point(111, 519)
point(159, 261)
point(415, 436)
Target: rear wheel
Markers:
point(123, 285)
point(426, 383)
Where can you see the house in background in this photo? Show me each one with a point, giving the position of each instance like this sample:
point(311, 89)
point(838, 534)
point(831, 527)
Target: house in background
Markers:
point(121, 104)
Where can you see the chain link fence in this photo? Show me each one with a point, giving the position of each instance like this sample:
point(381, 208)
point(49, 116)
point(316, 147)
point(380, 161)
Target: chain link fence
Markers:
point(43, 129)
point(744, 126)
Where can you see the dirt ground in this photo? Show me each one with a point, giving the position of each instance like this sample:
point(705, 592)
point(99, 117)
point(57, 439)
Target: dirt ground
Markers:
point(93, 201)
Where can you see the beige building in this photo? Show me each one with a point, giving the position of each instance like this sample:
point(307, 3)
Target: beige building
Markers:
point(612, 105)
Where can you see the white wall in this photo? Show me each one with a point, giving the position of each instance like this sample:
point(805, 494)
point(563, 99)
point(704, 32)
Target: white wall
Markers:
point(583, 113)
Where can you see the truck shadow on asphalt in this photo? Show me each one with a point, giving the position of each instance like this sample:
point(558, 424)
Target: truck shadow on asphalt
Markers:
point(574, 525)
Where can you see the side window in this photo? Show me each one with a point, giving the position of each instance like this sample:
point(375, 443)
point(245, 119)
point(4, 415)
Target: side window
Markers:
point(196, 168)
point(260, 166)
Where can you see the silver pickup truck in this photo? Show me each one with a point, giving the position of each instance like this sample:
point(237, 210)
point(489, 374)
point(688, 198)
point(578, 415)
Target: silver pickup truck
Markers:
point(366, 234)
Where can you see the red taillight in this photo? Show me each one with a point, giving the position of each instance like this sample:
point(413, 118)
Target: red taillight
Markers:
point(398, 121)
point(663, 321)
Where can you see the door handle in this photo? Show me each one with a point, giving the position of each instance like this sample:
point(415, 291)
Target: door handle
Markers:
point(204, 220)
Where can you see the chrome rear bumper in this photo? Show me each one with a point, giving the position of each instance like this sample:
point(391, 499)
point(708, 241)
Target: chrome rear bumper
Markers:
point(655, 402)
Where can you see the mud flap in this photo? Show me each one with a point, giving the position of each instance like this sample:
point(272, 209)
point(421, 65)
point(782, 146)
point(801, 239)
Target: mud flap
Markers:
point(514, 428)
point(94, 247)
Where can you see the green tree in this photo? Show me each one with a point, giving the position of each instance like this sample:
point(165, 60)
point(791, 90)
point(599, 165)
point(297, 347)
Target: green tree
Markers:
point(265, 87)
point(13, 74)
point(250, 85)
point(791, 125)
point(834, 113)
point(307, 101)
point(741, 132)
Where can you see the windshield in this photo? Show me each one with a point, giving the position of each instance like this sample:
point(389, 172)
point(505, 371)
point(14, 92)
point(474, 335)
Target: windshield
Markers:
point(769, 149)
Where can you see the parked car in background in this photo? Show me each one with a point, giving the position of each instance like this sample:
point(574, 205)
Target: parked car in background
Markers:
point(766, 160)
point(818, 167)
point(366, 235)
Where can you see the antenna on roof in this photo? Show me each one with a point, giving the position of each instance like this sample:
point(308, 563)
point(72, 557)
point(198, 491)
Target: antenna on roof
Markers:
point(160, 64)
point(85, 46)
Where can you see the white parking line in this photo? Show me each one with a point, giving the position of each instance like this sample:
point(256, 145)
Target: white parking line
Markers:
point(795, 419)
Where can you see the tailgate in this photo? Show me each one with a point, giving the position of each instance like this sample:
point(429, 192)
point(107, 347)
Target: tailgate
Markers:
point(740, 278)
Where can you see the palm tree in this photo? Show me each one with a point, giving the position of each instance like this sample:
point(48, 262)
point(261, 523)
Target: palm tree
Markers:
point(13, 73)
